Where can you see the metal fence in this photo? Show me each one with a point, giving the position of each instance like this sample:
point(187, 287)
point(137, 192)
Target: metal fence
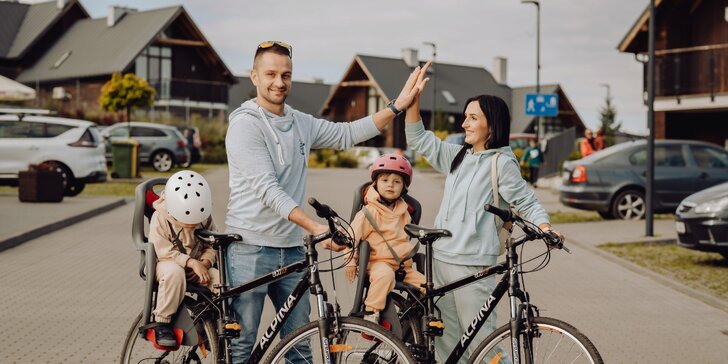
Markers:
point(558, 147)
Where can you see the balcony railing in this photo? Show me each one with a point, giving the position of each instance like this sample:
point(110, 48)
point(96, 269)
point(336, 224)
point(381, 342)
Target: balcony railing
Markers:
point(690, 71)
point(193, 90)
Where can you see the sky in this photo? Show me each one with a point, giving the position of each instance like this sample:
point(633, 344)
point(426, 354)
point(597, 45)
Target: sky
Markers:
point(579, 39)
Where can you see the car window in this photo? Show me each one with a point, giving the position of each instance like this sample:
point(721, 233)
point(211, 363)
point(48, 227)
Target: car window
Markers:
point(669, 156)
point(36, 130)
point(120, 132)
point(665, 156)
point(138, 131)
point(14, 129)
point(54, 130)
point(707, 157)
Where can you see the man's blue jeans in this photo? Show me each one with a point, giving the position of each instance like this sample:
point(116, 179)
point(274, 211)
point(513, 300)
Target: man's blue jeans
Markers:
point(245, 262)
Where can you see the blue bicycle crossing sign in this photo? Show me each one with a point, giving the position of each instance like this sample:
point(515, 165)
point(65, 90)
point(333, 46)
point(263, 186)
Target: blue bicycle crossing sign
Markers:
point(542, 104)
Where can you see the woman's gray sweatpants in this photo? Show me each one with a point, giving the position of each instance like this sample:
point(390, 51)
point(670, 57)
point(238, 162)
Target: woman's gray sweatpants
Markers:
point(460, 307)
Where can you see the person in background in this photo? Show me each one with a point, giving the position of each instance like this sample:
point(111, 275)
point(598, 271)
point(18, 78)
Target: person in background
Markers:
point(599, 142)
point(586, 145)
point(532, 158)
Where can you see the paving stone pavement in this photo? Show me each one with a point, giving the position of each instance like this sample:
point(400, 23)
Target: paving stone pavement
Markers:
point(70, 296)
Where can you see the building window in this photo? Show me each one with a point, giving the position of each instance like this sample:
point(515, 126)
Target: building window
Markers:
point(154, 64)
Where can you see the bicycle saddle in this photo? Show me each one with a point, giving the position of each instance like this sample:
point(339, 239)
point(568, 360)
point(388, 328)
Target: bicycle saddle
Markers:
point(424, 233)
point(217, 239)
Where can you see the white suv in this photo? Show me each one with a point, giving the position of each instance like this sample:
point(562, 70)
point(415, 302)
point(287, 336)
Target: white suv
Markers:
point(72, 146)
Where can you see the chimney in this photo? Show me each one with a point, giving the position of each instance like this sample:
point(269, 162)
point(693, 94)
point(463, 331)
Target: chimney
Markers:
point(500, 70)
point(319, 81)
point(409, 55)
point(60, 4)
point(116, 13)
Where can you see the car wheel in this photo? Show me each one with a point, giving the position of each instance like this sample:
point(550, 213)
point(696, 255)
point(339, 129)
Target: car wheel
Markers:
point(70, 184)
point(606, 215)
point(629, 205)
point(162, 161)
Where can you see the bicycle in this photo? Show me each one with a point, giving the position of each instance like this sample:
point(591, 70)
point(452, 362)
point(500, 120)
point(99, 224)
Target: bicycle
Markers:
point(209, 325)
point(528, 337)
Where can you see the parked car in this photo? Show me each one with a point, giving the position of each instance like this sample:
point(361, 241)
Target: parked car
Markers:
point(161, 146)
point(701, 220)
point(612, 181)
point(70, 146)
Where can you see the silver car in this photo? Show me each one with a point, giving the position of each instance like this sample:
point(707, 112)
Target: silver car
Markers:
point(701, 220)
point(161, 146)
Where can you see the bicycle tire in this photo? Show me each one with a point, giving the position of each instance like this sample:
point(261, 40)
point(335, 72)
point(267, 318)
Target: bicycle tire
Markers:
point(356, 348)
point(138, 350)
point(410, 322)
point(557, 342)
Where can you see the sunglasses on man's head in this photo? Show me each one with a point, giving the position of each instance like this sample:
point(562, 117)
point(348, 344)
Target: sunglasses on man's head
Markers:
point(271, 43)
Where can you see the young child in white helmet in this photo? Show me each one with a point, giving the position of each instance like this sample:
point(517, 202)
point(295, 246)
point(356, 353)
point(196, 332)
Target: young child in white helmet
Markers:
point(184, 206)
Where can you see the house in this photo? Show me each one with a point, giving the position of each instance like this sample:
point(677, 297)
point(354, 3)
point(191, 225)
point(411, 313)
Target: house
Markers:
point(691, 68)
point(371, 81)
point(163, 46)
point(304, 96)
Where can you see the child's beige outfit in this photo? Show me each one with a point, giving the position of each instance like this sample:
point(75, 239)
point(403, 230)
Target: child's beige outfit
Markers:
point(170, 272)
point(382, 264)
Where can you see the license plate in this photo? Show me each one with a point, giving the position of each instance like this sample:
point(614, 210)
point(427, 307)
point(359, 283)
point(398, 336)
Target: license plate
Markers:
point(680, 227)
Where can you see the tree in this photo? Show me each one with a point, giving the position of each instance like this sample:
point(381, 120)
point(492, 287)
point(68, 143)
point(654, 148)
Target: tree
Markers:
point(126, 93)
point(607, 121)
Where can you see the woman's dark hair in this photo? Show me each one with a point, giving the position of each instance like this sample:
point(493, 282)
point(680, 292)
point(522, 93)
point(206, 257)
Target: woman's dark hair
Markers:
point(498, 118)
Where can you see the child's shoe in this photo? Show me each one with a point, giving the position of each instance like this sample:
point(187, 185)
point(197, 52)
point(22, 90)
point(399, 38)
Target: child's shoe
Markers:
point(372, 317)
point(164, 336)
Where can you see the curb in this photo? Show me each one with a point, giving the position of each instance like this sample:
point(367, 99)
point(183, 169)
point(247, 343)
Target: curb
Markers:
point(47, 229)
point(665, 281)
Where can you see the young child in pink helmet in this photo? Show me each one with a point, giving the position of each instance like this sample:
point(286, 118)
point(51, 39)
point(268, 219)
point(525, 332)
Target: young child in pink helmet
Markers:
point(381, 222)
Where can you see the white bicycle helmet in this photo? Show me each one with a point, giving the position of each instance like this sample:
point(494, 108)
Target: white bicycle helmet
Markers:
point(188, 197)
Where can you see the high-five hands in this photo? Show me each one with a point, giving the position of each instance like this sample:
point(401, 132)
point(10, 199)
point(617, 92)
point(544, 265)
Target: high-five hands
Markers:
point(413, 87)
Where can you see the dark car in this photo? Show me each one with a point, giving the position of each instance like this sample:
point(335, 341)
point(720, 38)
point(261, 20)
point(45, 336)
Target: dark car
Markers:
point(161, 146)
point(612, 181)
point(701, 220)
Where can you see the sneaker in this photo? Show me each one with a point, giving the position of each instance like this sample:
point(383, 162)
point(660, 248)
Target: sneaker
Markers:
point(372, 317)
point(164, 336)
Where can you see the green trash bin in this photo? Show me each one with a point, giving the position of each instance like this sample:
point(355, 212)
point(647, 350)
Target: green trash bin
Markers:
point(125, 159)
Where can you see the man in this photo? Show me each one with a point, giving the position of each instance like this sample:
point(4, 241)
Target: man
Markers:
point(268, 144)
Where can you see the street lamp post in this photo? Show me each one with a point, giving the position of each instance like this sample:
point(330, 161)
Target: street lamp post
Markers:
point(433, 78)
point(539, 128)
point(608, 89)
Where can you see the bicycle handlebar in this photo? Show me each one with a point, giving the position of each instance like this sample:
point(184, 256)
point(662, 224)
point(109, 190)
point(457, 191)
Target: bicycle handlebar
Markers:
point(326, 212)
point(506, 215)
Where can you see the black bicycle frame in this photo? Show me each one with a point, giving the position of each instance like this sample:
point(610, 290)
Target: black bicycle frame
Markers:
point(310, 280)
point(509, 283)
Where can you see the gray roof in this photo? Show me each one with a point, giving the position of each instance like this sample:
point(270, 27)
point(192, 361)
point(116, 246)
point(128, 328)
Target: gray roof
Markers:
point(13, 15)
point(96, 49)
point(519, 120)
point(38, 18)
point(462, 82)
point(305, 96)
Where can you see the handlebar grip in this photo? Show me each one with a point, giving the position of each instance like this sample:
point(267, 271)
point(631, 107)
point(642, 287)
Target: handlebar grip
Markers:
point(505, 215)
point(322, 210)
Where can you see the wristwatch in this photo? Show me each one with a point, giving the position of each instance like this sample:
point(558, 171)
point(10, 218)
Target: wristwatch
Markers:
point(391, 106)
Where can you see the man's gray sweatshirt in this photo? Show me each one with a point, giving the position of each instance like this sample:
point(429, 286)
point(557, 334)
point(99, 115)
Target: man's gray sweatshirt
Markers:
point(268, 172)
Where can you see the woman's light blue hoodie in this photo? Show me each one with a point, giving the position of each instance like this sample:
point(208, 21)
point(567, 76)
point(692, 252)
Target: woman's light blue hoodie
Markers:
point(467, 190)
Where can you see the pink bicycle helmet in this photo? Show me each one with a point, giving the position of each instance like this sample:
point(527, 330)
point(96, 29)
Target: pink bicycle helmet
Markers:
point(392, 163)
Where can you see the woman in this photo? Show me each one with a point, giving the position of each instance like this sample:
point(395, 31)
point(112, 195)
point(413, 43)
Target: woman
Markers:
point(586, 145)
point(468, 188)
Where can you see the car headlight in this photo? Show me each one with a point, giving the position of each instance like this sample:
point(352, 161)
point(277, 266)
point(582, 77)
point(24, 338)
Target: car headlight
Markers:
point(712, 206)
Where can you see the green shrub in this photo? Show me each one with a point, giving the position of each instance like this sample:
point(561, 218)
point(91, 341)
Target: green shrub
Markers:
point(346, 160)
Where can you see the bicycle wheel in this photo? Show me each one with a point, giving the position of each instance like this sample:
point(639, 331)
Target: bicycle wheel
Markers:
point(410, 321)
point(138, 350)
point(357, 341)
point(554, 341)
